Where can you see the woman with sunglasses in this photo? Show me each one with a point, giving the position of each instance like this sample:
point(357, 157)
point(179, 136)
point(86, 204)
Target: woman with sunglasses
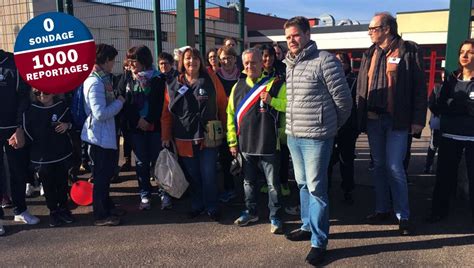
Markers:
point(46, 124)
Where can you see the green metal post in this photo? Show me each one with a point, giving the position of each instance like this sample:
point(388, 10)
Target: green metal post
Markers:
point(202, 26)
point(60, 5)
point(69, 7)
point(458, 30)
point(242, 25)
point(157, 27)
point(185, 23)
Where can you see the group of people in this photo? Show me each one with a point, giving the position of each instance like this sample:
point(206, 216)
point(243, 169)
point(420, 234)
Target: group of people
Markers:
point(260, 107)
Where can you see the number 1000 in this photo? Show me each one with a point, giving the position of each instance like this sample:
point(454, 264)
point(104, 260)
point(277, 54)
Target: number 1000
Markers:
point(61, 57)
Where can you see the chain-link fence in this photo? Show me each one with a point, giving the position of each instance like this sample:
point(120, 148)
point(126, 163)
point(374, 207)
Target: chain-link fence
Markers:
point(222, 21)
point(125, 23)
point(120, 23)
point(16, 13)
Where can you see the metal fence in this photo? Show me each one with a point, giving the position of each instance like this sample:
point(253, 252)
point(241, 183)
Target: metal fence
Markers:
point(125, 23)
point(16, 13)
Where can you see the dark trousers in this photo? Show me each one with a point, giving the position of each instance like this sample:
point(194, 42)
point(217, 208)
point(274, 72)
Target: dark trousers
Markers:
point(284, 163)
point(77, 152)
point(147, 147)
point(127, 145)
point(17, 168)
point(84, 152)
point(104, 164)
point(449, 155)
point(344, 153)
point(225, 159)
point(29, 172)
point(54, 179)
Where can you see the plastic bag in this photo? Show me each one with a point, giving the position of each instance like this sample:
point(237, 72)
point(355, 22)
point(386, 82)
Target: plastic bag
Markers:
point(169, 174)
point(236, 166)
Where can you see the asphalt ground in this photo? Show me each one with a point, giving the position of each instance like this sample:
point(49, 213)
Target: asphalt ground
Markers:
point(169, 238)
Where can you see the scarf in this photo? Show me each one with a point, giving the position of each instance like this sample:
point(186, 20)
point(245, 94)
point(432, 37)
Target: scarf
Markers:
point(144, 78)
point(378, 91)
point(104, 76)
point(172, 74)
point(234, 75)
point(142, 88)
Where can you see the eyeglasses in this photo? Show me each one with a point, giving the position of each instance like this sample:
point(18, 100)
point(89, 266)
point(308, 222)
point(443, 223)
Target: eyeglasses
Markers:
point(38, 93)
point(375, 28)
point(226, 58)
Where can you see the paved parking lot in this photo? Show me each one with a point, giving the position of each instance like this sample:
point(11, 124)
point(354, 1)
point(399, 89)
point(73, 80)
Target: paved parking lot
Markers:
point(168, 238)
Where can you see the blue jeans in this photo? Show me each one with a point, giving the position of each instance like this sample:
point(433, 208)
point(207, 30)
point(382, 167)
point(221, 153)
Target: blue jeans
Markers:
point(146, 146)
point(269, 164)
point(201, 170)
point(310, 161)
point(388, 148)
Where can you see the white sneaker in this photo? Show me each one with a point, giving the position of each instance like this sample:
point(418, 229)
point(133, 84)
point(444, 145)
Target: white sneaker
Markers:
point(2, 229)
point(27, 218)
point(41, 189)
point(145, 204)
point(30, 189)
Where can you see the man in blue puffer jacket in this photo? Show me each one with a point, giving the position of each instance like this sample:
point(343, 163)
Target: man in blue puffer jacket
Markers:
point(318, 103)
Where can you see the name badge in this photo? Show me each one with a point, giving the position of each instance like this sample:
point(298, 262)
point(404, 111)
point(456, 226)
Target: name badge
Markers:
point(183, 90)
point(394, 60)
point(471, 95)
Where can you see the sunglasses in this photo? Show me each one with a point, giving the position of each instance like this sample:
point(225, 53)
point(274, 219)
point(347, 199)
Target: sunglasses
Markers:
point(375, 28)
point(38, 93)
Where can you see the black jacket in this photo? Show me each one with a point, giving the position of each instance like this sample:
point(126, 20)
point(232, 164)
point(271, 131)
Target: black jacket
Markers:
point(14, 94)
point(351, 123)
point(192, 106)
point(454, 103)
point(410, 96)
point(130, 112)
point(259, 126)
point(47, 146)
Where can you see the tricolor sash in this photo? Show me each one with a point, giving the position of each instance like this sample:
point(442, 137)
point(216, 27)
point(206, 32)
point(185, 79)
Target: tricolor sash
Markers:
point(249, 100)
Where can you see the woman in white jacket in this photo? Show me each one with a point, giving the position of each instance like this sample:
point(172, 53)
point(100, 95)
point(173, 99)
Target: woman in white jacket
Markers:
point(99, 131)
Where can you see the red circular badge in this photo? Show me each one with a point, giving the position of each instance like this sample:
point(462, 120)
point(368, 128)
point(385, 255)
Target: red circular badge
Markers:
point(54, 52)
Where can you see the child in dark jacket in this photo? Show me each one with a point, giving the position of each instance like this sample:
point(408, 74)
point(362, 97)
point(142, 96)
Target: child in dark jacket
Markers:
point(46, 123)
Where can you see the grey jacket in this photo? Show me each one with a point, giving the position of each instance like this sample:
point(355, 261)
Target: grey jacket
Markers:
point(318, 98)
